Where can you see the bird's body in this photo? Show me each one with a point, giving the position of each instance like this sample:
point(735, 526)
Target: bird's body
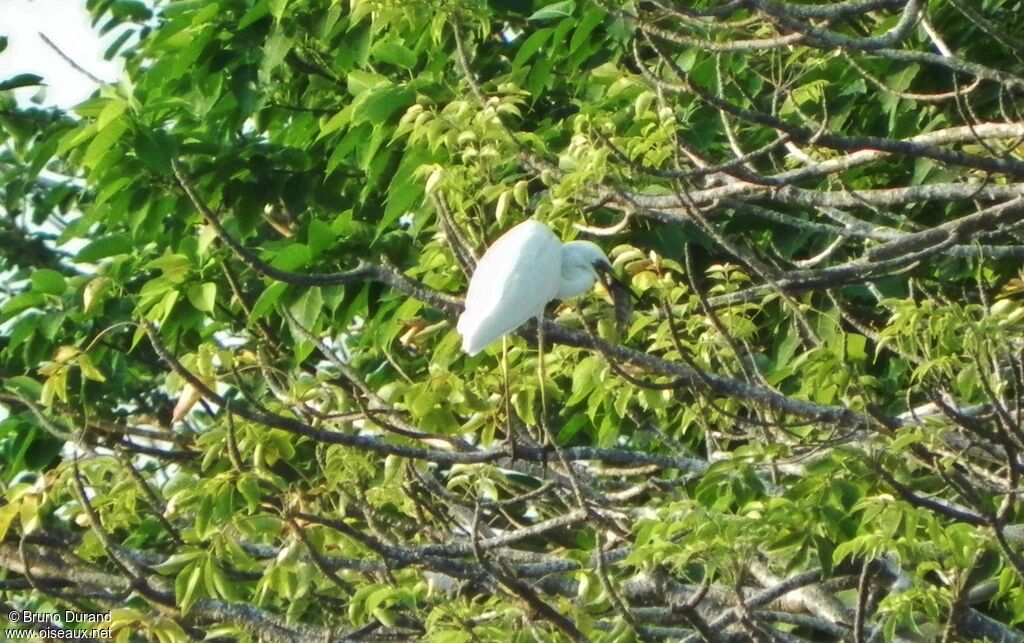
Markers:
point(520, 273)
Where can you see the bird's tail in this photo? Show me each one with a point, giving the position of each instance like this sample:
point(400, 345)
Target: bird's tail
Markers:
point(463, 327)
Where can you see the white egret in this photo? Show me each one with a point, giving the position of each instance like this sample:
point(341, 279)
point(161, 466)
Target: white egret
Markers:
point(520, 273)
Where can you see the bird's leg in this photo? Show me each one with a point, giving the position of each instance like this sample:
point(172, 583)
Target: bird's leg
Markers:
point(509, 427)
point(544, 434)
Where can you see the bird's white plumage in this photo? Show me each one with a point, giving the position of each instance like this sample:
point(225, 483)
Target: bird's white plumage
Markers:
point(508, 286)
point(520, 273)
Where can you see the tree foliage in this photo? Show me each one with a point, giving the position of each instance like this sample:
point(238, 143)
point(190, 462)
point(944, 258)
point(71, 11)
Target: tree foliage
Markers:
point(236, 404)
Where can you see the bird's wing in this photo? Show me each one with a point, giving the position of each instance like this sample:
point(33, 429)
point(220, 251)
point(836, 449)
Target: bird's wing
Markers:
point(512, 282)
point(512, 254)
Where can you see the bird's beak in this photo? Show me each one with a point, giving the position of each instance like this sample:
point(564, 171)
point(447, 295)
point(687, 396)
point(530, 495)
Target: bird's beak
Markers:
point(622, 295)
point(611, 281)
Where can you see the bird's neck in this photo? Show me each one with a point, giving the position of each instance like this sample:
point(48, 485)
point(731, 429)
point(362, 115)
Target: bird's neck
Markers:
point(575, 281)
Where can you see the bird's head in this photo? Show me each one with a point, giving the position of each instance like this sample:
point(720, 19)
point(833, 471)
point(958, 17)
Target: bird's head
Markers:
point(583, 264)
point(584, 257)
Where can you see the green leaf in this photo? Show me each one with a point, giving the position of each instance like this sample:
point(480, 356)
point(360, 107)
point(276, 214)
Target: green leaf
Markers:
point(117, 44)
point(202, 296)
point(175, 267)
point(112, 110)
point(89, 370)
point(530, 46)
point(176, 562)
point(377, 598)
point(21, 80)
point(274, 52)
point(554, 11)
point(394, 53)
point(571, 428)
point(249, 487)
point(585, 378)
point(163, 308)
point(586, 26)
point(277, 7)
point(265, 302)
point(540, 74)
point(186, 586)
point(359, 81)
point(856, 347)
point(292, 257)
point(255, 12)
point(155, 149)
point(49, 282)
point(133, 10)
point(307, 309)
point(403, 190)
point(321, 237)
point(336, 122)
point(104, 142)
point(108, 246)
point(24, 385)
point(94, 292)
point(203, 515)
point(8, 513)
point(901, 80)
point(379, 104)
point(385, 616)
